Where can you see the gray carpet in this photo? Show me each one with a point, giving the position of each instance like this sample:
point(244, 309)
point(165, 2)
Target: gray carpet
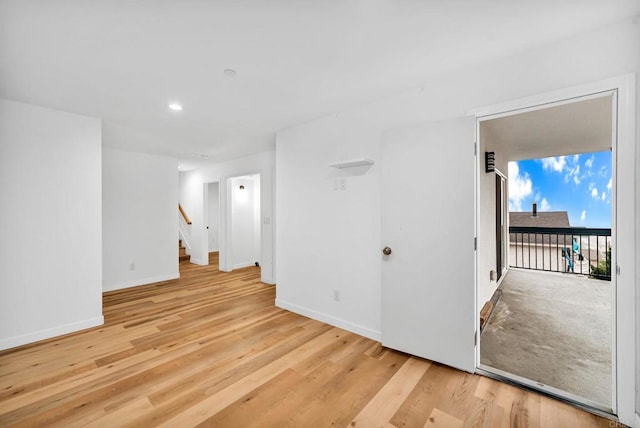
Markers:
point(555, 329)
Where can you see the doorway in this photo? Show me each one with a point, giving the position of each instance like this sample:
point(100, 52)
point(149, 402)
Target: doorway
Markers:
point(244, 226)
point(439, 258)
point(212, 221)
point(561, 136)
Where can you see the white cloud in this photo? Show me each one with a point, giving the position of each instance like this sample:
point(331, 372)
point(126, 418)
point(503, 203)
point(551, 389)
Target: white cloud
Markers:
point(604, 196)
point(594, 193)
point(583, 215)
point(589, 162)
point(609, 184)
point(544, 205)
point(520, 186)
point(555, 163)
point(574, 172)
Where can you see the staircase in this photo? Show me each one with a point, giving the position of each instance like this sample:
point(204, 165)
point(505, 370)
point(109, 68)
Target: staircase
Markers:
point(182, 251)
point(184, 235)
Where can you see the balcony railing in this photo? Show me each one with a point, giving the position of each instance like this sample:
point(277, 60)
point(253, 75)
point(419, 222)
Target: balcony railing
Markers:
point(582, 251)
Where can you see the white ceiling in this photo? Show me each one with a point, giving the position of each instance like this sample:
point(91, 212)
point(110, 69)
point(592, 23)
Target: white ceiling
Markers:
point(296, 60)
point(574, 128)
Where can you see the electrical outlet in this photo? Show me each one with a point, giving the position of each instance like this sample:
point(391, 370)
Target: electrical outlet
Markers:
point(340, 184)
point(336, 295)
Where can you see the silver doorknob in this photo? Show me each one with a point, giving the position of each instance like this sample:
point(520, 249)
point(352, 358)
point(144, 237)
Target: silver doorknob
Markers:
point(386, 251)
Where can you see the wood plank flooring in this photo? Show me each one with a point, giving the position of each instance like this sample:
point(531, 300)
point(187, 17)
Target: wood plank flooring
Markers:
point(211, 349)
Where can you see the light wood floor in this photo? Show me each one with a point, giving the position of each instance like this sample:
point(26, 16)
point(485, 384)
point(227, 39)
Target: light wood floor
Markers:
point(211, 349)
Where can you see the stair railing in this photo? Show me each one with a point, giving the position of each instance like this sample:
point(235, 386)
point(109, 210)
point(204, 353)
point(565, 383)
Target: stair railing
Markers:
point(184, 215)
point(184, 229)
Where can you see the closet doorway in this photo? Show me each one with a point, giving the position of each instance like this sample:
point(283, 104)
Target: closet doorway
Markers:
point(243, 227)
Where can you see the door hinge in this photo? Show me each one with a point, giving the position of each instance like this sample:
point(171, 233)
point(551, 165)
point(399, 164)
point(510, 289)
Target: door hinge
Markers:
point(475, 244)
point(475, 338)
point(475, 148)
point(617, 269)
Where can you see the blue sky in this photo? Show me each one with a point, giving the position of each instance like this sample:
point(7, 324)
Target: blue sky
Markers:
point(578, 184)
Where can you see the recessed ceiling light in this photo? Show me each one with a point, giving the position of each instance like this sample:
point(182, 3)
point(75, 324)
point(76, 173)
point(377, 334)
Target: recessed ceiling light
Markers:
point(175, 107)
point(230, 73)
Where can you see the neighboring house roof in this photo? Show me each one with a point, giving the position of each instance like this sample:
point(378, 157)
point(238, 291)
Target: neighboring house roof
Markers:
point(544, 219)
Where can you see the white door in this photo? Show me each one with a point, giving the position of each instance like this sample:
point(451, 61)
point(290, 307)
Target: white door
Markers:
point(428, 290)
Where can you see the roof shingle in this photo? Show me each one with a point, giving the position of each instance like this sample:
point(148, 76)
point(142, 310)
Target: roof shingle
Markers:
point(544, 219)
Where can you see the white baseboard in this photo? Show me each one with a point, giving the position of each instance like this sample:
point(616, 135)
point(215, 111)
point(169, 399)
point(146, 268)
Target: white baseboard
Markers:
point(242, 265)
point(140, 281)
point(48, 333)
point(328, 319)
point(198, 261)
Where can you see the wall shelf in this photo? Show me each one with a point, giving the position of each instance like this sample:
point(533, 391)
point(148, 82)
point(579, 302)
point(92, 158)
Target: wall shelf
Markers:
point(352, 163)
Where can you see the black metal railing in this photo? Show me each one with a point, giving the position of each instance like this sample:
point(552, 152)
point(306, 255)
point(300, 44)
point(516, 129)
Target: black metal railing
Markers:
point(582, 251)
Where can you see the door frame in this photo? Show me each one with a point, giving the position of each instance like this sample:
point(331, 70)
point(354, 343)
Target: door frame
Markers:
point(207, 212)
point(205, 221)
point(501, 251)
point(623, 221)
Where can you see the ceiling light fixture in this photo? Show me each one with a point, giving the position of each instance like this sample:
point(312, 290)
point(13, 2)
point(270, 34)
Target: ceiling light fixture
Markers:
point(175, 107)
point(230, 73)
point(200, 155)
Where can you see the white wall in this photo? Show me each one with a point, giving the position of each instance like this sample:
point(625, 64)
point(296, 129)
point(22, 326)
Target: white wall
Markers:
point(50, 251)
point(636, 180)
point(487, 218)
point(140, 218)
point(192, 188)
point(329, 238)
point(312, 240)
point(245, 218)
point(214, 216)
